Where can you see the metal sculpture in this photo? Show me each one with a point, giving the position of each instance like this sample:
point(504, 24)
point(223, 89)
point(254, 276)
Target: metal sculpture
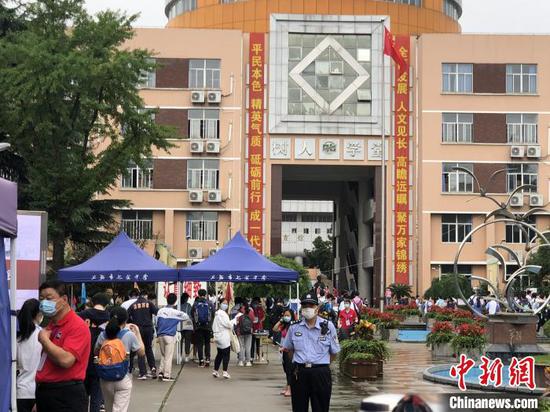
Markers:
point(503, 215)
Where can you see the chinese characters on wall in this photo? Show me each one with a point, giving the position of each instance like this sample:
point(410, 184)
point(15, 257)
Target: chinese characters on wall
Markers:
point(401, 167)
point(256, 140)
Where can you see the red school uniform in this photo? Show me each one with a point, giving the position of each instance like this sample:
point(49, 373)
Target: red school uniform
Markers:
point(347, 319)
point(72, 335)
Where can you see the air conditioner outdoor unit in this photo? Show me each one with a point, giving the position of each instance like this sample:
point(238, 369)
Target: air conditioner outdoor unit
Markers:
point(213, 147)
point(517, 200)
point(197, 147)
point(195, 253)
point(195, 196)
point(213, 251)
point(517, 151)
point(536, 200)
point(197, 96)
point(533, 151)
point(214, 196)
point(214, 97)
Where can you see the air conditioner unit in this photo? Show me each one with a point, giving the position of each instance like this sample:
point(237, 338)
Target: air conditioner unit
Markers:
point(213, 252)
point(197, 96)
point(517, 200)
point(214, 97)
point(214, 196)
point(536, 200)
point(517, 151)
point(533, 151)
point(195, 253)
point(213, 147)
point(195, 196)
point(197, 146)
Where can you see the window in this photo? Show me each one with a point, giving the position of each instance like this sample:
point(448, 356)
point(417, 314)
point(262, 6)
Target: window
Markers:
point(306, 230)
point(456, 181)
point(149, 79)
point(181, 6)
point(462, 269)
point(519, 234)
point(202, 226)
point(290, 217)
point(329, 231)
point(203, 174)
point(138, 177)
point(294, 230)
point(204, 74)
point(138, 224)
point(204, 124)
point(521, 128)
point(317, 217)
point(317, 231)
point(454, 228)
point(457, 127)
point(457, 77)
point(450, 8)
point(521, 78)
point(522, 174)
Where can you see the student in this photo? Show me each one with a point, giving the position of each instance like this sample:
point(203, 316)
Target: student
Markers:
point(245, 319)
point(117, 393)
point(222, 328)
point(168, 319)
point(141, 314)
point(65, 353)
point(96, 318)
point(258, 325)
point(347, 319)
point(134, 294)
point(29, 352)
point(202, 324)
point(282, 327)
point(187, 326)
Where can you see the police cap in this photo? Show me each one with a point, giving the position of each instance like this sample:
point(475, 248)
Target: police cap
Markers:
point(309, 298)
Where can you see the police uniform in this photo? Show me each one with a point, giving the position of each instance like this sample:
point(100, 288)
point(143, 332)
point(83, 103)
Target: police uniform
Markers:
point(311, 380)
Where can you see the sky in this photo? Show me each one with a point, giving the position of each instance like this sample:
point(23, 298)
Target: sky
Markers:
point(480, 16)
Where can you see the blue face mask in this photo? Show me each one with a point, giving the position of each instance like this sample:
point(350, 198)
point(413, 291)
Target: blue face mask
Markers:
point(48, 307)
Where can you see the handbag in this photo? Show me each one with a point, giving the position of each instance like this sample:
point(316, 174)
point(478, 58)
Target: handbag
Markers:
point(234, 342)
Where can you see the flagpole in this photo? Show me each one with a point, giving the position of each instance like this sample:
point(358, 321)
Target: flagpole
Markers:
point(383, 178)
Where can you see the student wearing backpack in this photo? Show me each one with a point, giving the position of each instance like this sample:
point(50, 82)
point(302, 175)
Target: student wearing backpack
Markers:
point(202, 319)
point(96, 318)
point(245, 319)
point(113, 347)
point(187, 325)
point(168, 319)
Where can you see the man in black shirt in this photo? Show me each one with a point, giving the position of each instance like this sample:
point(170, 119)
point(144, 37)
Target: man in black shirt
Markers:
point(202, 312)
point(141, 313)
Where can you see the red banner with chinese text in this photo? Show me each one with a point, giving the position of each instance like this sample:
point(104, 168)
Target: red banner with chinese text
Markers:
point(401, 169)
point(255, 192)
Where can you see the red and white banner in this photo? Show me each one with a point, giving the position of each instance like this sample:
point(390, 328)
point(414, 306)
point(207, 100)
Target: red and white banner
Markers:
point(256, 120)
point(401, 170)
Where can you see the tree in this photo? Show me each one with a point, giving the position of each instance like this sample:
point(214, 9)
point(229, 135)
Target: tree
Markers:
point(400, 290)
point(446, 288)
point(67, 94)
point(541, 258)
point(321, 255)
point(274, 290)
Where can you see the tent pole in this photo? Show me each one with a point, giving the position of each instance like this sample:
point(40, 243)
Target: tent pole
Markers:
point(13, 306)
point(178, 346)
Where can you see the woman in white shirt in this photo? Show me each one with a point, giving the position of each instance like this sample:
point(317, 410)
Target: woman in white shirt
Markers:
point(29, 352)
point(222, 328)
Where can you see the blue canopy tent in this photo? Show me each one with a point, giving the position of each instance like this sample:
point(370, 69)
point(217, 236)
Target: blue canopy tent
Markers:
point(238, 262)
point(121, 261)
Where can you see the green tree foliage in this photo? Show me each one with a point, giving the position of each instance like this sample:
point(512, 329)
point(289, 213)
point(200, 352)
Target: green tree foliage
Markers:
point(321, 255)
point(541, 258)
point(400, 290)
point(67, 93)
point(251, 290)
point(446, 288)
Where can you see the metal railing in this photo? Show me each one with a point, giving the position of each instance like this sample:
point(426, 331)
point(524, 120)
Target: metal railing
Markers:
point(138, 229)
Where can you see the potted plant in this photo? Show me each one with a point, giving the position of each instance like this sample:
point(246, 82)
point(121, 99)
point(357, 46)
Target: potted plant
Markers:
point(364, 330)
point(361, 366)
point(353, 357)
point(381, 352)
point(439, 340)
point(387, 323)
point(542, 371)
point(470, 340)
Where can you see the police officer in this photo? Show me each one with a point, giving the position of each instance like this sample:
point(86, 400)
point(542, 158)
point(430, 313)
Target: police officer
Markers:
point(312, 343)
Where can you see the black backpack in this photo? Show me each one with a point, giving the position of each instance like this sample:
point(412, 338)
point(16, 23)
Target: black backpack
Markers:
point(95, 331)
point(245, 325)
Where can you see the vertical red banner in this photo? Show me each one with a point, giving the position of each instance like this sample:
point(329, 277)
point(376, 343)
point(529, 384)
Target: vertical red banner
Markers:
point(401, 166)
point(255, 187)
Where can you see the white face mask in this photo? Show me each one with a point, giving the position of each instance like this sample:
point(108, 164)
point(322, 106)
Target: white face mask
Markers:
point(223, 306)
point(322, 299)
point(308, 313)
point(347, 305)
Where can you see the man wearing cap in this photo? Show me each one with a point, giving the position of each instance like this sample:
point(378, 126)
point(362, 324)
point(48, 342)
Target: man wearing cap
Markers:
point(312, 343)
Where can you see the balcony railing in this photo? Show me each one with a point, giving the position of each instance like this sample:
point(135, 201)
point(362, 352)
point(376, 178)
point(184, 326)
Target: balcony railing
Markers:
point(138, 229)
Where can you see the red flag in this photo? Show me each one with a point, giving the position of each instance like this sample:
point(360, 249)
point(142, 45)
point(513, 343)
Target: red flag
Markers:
point(390, 50)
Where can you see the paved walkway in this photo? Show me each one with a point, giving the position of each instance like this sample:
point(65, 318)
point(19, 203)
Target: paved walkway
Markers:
point(258, 387)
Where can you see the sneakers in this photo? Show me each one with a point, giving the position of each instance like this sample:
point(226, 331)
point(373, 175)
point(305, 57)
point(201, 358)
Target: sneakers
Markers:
point(207, 363)
point(215, 374)
point(142, 377)
point(186, 359)
point(240, 363)
point(248, 364)
point(201, 364)
point(226, 375)
point(161, 376)
point(167, 379)
point(152, 374)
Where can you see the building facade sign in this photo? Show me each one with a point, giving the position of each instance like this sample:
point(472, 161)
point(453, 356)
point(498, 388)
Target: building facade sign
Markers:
point(256, 108)
point(401, 218)
point(279, 148)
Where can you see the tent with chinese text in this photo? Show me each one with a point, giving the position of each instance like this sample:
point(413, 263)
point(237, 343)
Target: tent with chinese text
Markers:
point(238, 262)
point(120, 261)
